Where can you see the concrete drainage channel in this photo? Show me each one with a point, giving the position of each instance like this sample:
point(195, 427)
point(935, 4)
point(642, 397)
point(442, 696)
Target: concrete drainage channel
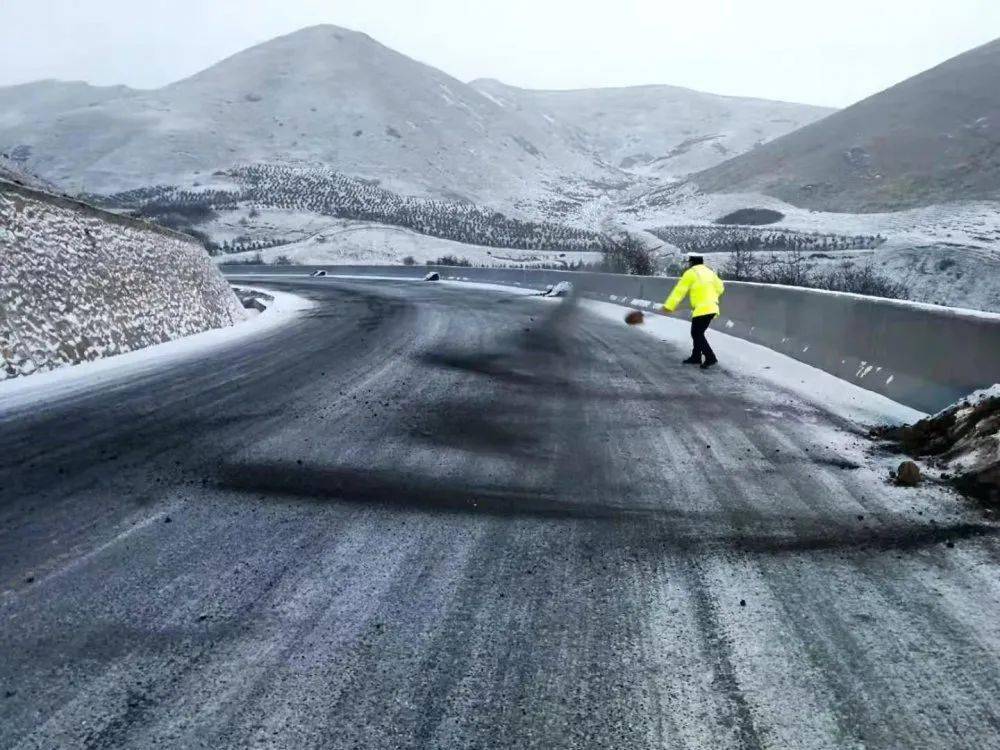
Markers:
point(920, 355)
point(253, 299)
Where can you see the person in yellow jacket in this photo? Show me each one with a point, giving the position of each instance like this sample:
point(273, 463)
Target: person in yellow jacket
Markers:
point(705, 288)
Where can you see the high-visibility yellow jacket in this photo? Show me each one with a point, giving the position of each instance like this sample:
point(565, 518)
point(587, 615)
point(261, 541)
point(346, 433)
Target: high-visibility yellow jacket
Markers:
point(705, 288)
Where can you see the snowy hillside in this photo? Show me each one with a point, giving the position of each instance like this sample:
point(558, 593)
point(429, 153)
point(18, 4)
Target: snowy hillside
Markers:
point(76, 285)
point(12, 171)
point(661, 131)
point(43, 102)
point(945, 254)
point(323, 94)
point(321, 191)
point(343, 242)
point(934, 138)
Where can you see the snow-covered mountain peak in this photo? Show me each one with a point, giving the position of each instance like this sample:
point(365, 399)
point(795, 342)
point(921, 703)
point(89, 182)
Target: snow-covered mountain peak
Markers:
point(332, 96)
point(659, 131)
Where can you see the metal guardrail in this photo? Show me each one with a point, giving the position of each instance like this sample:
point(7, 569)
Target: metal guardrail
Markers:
point(920, 355)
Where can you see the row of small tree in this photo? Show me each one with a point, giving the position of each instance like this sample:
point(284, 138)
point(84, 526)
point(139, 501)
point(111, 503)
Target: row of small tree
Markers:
point(716, 239)
point(796, 269)
point(324, 191)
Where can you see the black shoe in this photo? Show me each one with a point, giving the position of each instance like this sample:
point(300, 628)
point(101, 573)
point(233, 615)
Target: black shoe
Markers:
point(709, 363)
point(692, 361)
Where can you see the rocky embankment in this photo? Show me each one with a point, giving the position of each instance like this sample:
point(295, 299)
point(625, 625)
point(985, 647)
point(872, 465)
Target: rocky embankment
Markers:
point(78, 284)
point(963, 441)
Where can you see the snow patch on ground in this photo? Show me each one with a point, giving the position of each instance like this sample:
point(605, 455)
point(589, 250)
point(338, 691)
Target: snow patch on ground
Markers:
point(977, 397)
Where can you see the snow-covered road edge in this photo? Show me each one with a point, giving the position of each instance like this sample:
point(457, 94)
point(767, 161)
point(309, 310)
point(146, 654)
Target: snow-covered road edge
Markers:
point(17, 393)
point(753, 360)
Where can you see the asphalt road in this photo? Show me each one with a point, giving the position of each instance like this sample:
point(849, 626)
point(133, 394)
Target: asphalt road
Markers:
point(425, 517)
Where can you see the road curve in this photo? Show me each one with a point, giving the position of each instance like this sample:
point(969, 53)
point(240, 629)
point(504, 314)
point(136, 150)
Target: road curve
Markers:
point(428, 517)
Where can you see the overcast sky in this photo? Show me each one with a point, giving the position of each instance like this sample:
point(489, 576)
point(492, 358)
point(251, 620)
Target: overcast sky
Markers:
point(824, 52)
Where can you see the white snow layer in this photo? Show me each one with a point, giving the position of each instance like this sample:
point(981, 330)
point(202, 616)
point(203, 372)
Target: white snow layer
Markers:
point(66, 381)
point(976, 436)
point(75, 287)
point(977, 397)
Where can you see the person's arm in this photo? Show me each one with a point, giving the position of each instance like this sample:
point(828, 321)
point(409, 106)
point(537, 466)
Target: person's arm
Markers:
point(679, 292)
point(720, 288)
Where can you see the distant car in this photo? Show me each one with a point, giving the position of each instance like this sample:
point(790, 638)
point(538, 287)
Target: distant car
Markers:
point(432, 276)
point(320, 272)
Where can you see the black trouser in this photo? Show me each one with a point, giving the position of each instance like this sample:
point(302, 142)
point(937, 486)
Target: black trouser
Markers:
point(699, 325)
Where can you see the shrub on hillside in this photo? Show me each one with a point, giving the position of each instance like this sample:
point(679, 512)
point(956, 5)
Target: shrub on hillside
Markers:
point(451, 260)
point(696, 238)
point(211, 247)
point(174, 215)
point(627, 254)
point(248, 260)
point(794, 269)
point(863, 280)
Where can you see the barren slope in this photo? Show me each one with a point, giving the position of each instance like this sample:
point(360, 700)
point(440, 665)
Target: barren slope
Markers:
point(930, 139)
point(662, 131)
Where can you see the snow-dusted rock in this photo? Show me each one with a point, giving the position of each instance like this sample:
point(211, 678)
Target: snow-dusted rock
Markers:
point(962, 440)
point(432, 276)
point(562, 289)
point(78, 284)
point(908, 474)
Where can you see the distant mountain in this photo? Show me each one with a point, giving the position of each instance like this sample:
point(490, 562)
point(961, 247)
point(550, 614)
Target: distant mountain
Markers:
point(336, 98)
point(321, 95)
point(11, 171)
point(661, 131)
point(930, 139)
point(42, 102)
